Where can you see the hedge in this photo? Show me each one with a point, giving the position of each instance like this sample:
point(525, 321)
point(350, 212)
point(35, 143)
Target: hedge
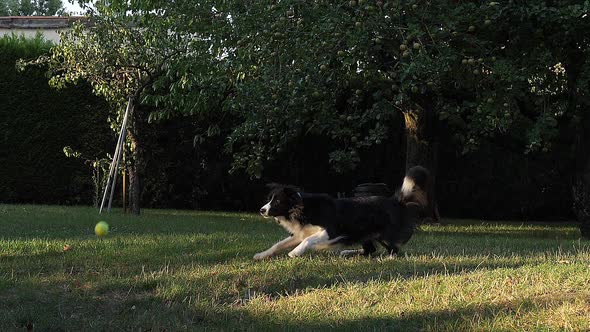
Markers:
point(36, 122)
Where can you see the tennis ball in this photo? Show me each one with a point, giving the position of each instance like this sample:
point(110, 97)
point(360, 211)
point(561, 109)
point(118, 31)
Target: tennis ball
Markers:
point(101, 229)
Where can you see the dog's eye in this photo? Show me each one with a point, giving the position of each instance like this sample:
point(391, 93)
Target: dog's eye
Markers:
point(278, 201)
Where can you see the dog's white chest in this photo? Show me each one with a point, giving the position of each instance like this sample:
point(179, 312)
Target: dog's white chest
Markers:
point(299, 231)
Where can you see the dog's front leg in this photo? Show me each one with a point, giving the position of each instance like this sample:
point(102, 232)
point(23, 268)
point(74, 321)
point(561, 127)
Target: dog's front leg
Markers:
point(289, 242)
point(317, 240)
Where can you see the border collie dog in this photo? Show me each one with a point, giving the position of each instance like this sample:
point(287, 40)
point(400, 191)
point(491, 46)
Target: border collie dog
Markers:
point(318, 221)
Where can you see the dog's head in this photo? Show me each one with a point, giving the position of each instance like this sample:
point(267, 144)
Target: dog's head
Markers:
point(281, 201)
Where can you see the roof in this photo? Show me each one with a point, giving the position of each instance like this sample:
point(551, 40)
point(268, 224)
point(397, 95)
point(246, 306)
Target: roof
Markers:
point(38, 22)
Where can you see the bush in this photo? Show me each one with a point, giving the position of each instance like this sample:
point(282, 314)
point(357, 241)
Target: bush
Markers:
point(36, 123)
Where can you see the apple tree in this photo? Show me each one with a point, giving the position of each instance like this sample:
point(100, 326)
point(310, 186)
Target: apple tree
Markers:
point(132, 51)
point(344, 69)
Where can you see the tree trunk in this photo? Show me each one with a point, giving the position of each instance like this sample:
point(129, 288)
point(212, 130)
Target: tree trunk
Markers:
point(421, 149)
point(134, 190)
point(581, 198)
point(136, 161)
point(574, 61)
point(581, 182)
point(419, 144)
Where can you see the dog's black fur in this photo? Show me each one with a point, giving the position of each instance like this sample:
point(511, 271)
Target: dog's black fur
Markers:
point(389, 221)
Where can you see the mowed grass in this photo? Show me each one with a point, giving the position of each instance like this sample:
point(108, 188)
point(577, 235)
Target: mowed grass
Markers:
point(187, 270)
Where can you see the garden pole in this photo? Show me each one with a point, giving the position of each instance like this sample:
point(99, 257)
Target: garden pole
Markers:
point(124, 184)
point(106, 189)
point(123, 135)
point(115, 162)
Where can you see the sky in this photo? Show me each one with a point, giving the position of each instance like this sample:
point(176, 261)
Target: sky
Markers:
point(74, 9)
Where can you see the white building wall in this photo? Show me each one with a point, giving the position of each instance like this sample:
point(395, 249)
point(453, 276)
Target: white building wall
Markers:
point(52, 35)
point(29, 26)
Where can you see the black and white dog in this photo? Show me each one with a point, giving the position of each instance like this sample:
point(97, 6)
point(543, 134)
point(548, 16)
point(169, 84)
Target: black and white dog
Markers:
point(318, 221)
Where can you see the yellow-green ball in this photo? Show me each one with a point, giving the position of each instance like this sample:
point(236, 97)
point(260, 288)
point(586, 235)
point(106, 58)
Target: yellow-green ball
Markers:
point(101, 229)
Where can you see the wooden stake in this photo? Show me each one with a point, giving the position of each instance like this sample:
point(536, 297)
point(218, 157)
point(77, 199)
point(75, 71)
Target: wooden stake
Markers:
point(124, 183)
point(116, 159)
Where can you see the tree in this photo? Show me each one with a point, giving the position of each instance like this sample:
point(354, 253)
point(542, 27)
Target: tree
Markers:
point(127, 52)
point(167, 62)
point(31, 7)
point(541, 82)
point(508, 73)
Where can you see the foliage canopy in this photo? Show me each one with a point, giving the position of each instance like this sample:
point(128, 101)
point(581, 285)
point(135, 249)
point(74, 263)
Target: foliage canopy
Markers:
point(31, 7)
point(344, 70)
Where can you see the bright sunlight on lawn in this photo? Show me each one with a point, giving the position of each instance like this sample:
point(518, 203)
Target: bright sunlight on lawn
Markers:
point(194, 270)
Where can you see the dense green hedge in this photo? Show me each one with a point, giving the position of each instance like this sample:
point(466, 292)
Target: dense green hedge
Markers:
point(36, 122)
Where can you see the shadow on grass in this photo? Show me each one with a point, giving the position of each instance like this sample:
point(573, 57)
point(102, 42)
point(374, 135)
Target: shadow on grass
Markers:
point(75, 309)
point(483, 316)
point(282, 278)
point(131, 253)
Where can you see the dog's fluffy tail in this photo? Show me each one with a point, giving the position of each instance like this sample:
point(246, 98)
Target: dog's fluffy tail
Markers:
point(418, 187)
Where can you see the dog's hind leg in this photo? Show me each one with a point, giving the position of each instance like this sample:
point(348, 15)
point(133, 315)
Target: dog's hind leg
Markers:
point(287, 243)
point(368, 248)
point(318, 240)
point(390, 244)
point(393, 240)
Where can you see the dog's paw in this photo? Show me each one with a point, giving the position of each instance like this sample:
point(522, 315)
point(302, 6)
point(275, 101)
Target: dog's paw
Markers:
point(261, 256)
point(295, 253)
point(353, 252)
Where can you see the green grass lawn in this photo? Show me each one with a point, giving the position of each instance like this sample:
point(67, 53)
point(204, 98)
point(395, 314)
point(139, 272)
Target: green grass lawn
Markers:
point(179, 270)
